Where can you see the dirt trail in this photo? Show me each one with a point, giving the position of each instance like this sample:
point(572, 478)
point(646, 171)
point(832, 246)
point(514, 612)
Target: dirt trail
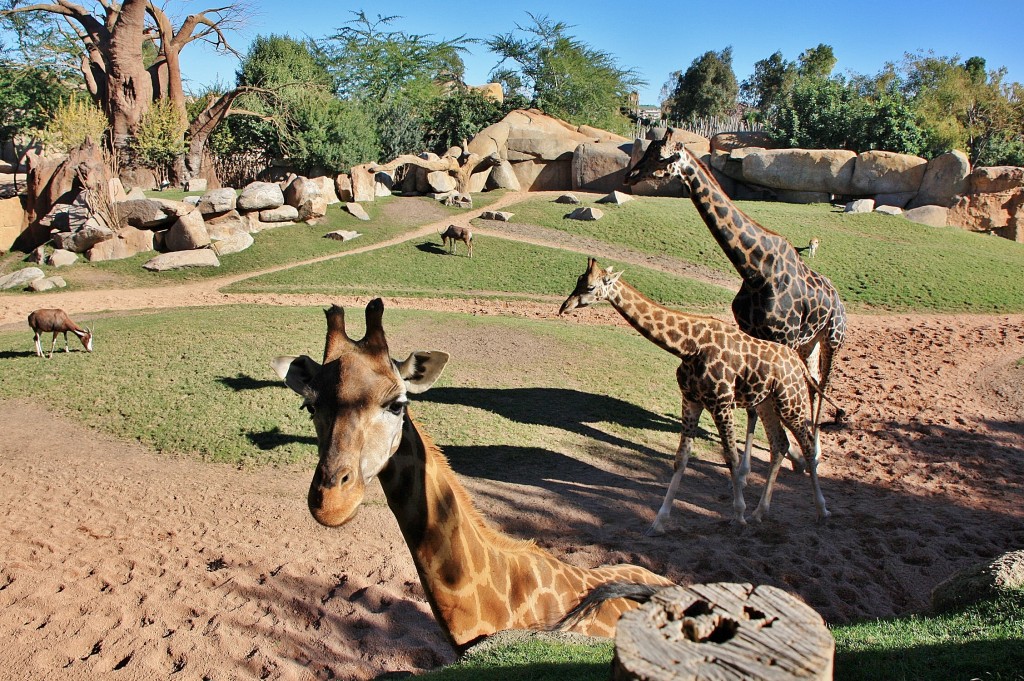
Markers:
point(120, 563)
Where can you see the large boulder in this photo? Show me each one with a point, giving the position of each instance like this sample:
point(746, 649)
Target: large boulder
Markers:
point(364, 183)
point(84, 238)
point(129, 241)
point(343, 187)
point(226, 225)
point(540, 176)
point(886, 172)
point(233, 244)
point(989, 212)
point(491, 139)
point(817, 170)
point(62, 258)
point(201, 257)
point(217, 201)
point(260, 196)
point(283, 213)
point(440, 182)
point(187, 233)
point(503, 177)
point(600, 166)
point(327, 189)
point(20, 278)
point(305, 195)
point(145, 213)
point(12, 222)
point(993, 179)
point(47, 284)
point(727, 141)
point(933, 216)
point(946, 177)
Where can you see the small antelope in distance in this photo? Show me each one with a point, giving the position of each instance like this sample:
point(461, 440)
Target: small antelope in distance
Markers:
point(57, 321)
point(811, 248)
point(455, 233)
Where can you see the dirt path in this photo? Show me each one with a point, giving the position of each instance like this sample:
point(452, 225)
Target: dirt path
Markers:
point(119, 563)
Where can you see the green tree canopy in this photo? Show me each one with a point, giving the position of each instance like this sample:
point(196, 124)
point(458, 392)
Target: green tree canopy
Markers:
point(707, 88)
point(816, 62)
point(562, 75)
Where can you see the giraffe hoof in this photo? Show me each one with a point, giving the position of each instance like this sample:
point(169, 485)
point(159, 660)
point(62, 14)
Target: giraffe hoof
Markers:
point(655, 530)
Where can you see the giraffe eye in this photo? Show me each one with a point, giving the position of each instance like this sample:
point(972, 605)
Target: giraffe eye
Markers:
point(397, 407)
point(310, 407)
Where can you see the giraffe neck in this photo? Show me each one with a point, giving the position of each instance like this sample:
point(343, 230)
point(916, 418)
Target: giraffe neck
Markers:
point(743, 240)
point(670, 330)
point(477, 580)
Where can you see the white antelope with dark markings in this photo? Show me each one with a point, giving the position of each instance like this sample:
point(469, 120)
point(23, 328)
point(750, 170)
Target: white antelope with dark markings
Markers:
point(52, 320)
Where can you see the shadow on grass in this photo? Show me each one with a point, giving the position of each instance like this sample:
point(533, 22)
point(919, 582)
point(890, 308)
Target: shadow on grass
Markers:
point(431, 247)
point(570, 410)
point(273, 438)
point(540, 671)
point(242, 382)
point(995, 660)
point(13, 354)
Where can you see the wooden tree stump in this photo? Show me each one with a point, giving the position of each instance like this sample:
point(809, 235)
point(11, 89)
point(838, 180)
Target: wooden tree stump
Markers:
point(722, 632)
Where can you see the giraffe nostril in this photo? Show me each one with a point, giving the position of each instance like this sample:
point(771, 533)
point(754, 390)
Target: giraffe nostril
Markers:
point(338, 478)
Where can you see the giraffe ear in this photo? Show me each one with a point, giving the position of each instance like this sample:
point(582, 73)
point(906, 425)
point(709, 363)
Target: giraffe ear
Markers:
point(421, 369)
point(611, 277)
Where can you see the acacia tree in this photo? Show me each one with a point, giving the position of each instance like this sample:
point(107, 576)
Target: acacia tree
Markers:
point(106, 40)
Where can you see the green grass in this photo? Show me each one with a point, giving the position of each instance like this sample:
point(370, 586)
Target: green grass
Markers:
point(499, 268)
point(877, 262)
point(981, 641)
point(197, 381)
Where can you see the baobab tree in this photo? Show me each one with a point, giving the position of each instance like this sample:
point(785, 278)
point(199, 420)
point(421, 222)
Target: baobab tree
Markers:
point(109, 38)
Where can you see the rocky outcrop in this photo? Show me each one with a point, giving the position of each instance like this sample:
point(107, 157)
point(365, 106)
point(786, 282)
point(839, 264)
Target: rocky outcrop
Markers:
point(933, 216)
point(187, 233)
point(995, 203)
point(600, 166)
point(946, 177)
point(202, 257)
point(217, 201)
point(816, 170)
point(886, 172)
point(128, 242)
point(20, 278)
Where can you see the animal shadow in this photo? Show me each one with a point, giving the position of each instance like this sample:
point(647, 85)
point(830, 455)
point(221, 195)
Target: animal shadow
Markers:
point(242, 382)
point(274, 438)
point(431, 247)
point(12, 354)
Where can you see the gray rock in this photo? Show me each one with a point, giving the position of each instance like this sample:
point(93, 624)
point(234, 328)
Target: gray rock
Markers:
point(816, 170)
point(175, 208)
point(343, 187)
point(200, 257)
point(342, 235)
point(981, 581)
point(439, 181)
point(63, 258)
point(933, 216)
point(196, 184)
point(457, 200)
point(500, 216)
point(900, 199)
point(889, 210)
point(187, 233)
point(47, 284)
point(145, 213)
point(83, 239)
point(283, 213)
point(135, 193)
point(616, 198)
point(217, 201)
point(191, 200)
point(300, 190)
point(503, 177)
point(356, 210)
point(363, 183)
point(327, 188)
point(260, 196)
point(226, 225)
point(600, 166)
point(586, 213)
point(571, 199)
point(20, 278)
point(860, 206)
point(887, 172)
point(235, 243)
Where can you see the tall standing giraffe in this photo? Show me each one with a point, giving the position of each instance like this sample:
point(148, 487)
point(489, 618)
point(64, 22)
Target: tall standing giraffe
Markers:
point(721, 368)
point(781, 298)
point(477, 580)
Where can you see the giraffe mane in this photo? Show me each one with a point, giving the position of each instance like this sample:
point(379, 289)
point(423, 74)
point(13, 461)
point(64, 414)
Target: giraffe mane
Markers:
point(714, 182)
point(498, 539)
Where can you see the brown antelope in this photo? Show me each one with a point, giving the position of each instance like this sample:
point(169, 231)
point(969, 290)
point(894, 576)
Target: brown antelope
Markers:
point(456, 233)
point(477, 580)
point(57, 321)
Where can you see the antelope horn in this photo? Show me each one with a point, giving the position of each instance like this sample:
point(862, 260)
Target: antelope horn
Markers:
point(337, 339)
point(374, 338)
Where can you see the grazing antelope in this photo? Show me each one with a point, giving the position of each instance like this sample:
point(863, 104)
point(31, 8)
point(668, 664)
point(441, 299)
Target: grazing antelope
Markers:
point(57, 321)
point(455, 233)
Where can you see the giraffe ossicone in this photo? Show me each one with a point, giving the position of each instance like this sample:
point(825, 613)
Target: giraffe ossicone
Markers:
point(477, 580)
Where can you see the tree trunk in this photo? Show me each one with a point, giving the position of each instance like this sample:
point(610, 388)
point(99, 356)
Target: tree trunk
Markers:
point(461, 168)
point(129, 86)
point(722, 632)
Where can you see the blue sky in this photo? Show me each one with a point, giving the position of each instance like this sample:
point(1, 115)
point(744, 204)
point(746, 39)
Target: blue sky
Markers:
point(658, 40)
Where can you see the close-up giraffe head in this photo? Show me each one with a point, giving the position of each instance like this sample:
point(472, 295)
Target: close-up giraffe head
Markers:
point(658, 161)
point(357, 399)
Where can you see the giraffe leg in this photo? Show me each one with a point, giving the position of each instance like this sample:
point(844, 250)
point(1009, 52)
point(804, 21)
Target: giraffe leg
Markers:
point(691, 416)
point(727, 432)
point(780, 449)
point(828, 354)
point(810, 443)
point(748, 444)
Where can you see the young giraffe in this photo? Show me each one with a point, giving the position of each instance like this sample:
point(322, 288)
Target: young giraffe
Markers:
point(781, 299)
point(477, 580)
point(722, 368)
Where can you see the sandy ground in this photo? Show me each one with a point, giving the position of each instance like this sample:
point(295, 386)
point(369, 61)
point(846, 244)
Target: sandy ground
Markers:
point(119, 563)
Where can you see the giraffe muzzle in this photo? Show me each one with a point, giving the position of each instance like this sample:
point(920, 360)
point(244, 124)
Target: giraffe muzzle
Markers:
point(334, 499)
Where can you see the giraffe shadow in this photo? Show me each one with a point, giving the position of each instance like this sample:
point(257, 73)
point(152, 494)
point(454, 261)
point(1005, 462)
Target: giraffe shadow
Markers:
point(570, 410)
point(242, 382)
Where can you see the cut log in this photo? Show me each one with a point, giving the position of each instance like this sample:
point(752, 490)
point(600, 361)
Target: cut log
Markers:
point(722, 632)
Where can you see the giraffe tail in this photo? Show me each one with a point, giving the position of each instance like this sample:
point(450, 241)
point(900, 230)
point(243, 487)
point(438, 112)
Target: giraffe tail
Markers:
point(634, 591)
